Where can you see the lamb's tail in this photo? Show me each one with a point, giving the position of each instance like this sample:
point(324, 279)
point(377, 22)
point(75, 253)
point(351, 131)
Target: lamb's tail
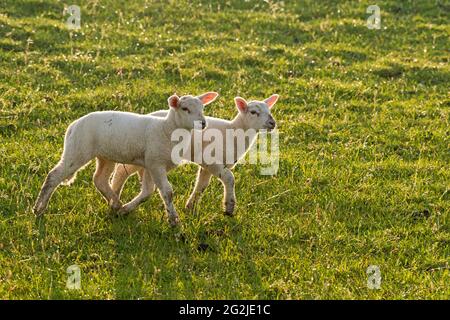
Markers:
point(69, 157)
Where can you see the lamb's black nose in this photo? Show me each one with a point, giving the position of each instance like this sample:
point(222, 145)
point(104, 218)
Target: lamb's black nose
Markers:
point(203, 124)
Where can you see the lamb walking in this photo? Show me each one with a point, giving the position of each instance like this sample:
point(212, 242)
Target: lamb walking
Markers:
point(112, 136)
point(252, 116)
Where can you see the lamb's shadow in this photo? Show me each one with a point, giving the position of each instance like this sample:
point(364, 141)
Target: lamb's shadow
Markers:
point(129, 248)
point(145, 251)
point(155, 261)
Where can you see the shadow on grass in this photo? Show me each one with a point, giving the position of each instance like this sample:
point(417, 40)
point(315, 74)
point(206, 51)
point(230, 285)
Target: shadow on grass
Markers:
point(155, 261)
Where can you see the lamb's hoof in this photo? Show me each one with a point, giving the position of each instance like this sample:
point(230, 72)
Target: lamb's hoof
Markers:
point(38, 210)
point(174, 221)
point(228, 213)
point(122, 212)
point(116, 206)
point(117, 210)
point(189, 205)
point(229, 208)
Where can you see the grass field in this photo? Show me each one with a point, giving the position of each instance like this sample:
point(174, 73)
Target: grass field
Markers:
point(364, 173)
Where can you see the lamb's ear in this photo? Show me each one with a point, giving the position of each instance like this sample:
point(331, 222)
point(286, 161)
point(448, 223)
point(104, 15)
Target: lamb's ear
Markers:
point(241, 104)
point(208, 97)
point(173, 101)
point(272, 100)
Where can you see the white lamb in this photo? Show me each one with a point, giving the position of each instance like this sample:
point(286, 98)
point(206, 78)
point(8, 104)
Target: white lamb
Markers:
point(252, 115)
point(124, 137)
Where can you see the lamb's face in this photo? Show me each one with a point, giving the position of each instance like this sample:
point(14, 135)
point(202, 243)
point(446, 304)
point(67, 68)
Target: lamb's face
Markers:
point(189, 110)
point(256, 114)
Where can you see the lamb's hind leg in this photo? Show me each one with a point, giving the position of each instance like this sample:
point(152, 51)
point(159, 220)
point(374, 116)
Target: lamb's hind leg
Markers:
point(120, 176)
point(202, 182)
point(101, 180)
point(147, 187)
point(65, 169)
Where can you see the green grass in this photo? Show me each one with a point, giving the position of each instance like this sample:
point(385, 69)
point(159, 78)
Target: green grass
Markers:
point(364, 174)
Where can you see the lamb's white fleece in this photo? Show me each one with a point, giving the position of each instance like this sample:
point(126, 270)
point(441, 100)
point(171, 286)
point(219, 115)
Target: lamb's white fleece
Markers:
point(112, 136)
point(253, 115)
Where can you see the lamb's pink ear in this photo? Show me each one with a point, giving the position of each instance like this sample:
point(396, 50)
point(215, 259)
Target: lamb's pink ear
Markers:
point(208, 97)
point(272, 100)
point(173, 101)
point(241, 104)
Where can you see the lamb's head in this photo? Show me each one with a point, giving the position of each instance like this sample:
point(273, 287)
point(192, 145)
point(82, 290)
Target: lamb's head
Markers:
point(188, 109)
point(256, 114)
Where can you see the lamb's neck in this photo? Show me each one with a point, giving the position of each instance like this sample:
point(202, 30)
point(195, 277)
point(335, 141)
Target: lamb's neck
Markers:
point(237, 123)
point(170, 124)
point(250, 133)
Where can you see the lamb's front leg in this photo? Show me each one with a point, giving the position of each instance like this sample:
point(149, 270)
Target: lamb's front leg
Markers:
point(227, 178)
point(202, 182)
point(159, 175)
point(147, 187)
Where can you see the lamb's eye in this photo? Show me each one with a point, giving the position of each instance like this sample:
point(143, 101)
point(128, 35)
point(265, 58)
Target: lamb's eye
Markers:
point(186, 109)
point(254, 112)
